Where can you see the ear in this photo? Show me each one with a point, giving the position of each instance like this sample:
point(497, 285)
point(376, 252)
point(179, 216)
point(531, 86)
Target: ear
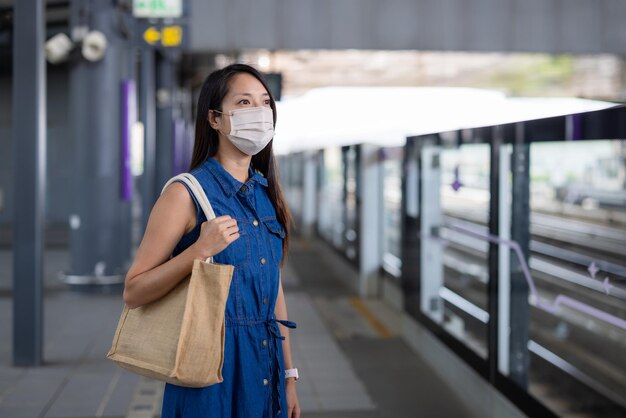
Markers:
point(213, 119)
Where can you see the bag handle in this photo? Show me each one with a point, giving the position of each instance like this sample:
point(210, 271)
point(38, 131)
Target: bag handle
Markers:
point(198, 192)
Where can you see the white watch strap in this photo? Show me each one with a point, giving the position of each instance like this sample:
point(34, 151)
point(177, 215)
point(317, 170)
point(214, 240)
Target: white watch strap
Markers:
point(291, 373)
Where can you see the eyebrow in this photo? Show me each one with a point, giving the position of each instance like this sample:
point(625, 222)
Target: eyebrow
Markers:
point(248, 94)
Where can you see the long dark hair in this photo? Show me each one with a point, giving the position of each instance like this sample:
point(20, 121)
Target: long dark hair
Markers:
point(206, 143)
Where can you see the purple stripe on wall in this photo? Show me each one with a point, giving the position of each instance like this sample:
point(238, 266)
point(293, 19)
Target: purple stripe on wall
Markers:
point(129, 116)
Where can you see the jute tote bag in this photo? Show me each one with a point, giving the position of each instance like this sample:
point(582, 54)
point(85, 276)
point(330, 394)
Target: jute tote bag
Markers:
point(179, 338)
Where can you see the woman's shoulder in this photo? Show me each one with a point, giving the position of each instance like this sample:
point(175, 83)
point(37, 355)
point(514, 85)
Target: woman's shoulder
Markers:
point(207, 180)
point(202, 173)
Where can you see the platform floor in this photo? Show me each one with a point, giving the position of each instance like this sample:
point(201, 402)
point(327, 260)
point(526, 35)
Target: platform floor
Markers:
point(352, 360)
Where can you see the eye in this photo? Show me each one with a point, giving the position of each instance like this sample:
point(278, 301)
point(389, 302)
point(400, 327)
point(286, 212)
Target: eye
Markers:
point(267, 102)
point(244, 102)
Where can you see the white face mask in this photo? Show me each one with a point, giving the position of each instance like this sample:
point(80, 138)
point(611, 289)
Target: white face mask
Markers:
point(251, 129)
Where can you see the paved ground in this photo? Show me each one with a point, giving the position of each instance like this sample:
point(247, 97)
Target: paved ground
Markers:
point(350, 357)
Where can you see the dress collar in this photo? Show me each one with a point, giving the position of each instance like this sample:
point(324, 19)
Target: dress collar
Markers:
point(229, 184)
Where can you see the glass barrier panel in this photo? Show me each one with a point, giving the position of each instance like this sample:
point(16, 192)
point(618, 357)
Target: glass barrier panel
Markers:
point(454, 265)
point(577, 328)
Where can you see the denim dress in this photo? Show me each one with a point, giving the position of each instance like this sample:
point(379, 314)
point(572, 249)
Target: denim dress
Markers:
point(254, 382)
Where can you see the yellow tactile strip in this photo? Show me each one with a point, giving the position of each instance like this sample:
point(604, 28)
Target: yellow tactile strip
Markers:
point(379, 326)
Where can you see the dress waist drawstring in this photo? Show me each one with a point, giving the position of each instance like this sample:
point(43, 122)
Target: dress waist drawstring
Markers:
point(274, 330)
point(277, 373)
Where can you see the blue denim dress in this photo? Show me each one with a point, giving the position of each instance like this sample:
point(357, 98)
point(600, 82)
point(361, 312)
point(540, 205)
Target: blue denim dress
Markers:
point(254, 383)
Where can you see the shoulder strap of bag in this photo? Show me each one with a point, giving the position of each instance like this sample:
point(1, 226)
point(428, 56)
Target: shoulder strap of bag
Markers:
point(199, 194)
point(197, 191)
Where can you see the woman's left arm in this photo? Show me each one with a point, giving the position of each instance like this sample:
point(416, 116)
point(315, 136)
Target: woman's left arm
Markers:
point(280, 310)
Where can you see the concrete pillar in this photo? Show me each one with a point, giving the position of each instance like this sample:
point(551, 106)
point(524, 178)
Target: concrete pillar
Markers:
point(370, 259)
point(431, 256)
point(309, 194)
point(100, 238)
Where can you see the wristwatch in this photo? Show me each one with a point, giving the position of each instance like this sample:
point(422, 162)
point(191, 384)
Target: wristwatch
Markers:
point(291, 373)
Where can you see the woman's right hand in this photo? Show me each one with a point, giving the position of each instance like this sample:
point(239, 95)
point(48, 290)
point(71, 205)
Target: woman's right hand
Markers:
point(154, 272)
point(215, 236)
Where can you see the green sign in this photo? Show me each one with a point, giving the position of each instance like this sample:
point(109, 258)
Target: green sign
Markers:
point(158, 8)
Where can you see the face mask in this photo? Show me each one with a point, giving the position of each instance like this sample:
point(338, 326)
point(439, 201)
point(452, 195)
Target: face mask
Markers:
point(251, 129)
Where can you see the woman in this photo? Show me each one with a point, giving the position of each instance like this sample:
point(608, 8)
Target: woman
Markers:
point(234, 162)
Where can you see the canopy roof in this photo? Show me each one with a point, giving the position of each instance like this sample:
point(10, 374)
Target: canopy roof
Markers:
point(387, 115)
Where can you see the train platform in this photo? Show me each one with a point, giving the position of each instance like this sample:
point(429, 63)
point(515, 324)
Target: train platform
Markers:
point(350, 353)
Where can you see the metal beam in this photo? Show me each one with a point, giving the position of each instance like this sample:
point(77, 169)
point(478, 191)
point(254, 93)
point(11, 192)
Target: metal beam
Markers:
point(520, 233)
point(411, 244)
point(495, 177)
point(29, 125)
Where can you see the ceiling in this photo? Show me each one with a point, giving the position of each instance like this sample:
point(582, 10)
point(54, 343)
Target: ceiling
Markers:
point(9, 3)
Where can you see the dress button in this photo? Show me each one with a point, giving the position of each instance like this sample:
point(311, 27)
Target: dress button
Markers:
point(255, 223)
point(263, 261)
point(243, 188)
point(265, 382)
point(264, 343)
point(264, 301)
